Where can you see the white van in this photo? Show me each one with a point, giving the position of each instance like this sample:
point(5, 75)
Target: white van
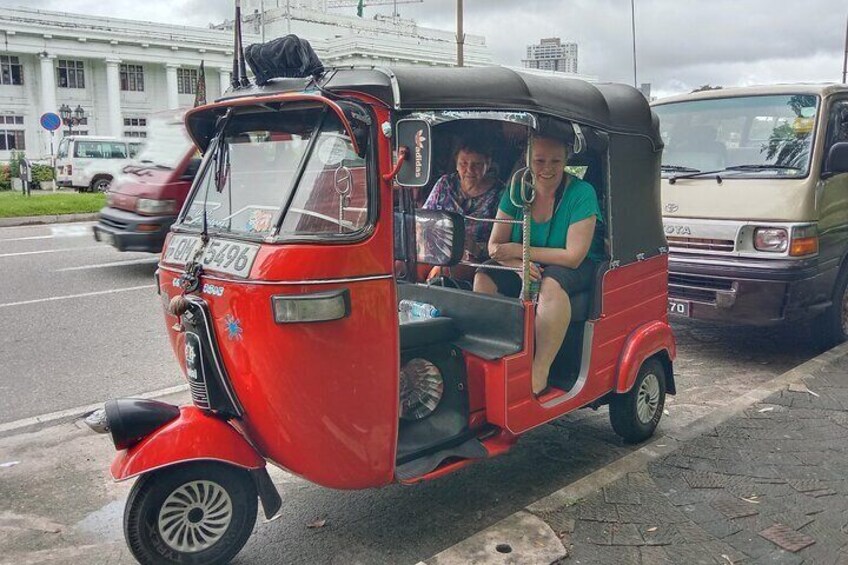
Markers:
point(88, 162)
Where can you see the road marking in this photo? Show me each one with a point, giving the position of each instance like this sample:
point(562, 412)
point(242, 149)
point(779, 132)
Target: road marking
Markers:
point(81, 410)
point(71, 231)
point(112, 264)
point(28, 238)
point(52, 251)
point(83, 295)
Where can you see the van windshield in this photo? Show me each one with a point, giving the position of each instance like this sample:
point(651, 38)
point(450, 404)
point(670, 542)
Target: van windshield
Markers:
point(296, 168)
point(166, 145)
point(748, 135)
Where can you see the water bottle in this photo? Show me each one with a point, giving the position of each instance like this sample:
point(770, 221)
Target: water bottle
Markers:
point(414, 310)
point(535, 287)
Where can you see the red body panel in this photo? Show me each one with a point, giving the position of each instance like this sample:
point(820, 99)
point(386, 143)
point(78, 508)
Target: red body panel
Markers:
point(642, 344)
point(634, 296)
point(186, 439)
point(320, 399)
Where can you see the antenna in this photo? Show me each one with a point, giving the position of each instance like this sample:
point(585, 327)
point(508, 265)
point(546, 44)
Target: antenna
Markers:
point(242, 68)
point(234, 79)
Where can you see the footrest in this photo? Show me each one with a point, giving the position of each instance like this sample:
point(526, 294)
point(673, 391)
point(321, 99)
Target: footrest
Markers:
point(471, 449)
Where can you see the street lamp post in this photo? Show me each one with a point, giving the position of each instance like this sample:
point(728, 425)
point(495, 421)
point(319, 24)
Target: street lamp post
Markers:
point(70, 117)
point(633, 27)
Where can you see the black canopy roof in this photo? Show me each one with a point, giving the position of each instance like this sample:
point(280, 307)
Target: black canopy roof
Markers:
point(610, 107)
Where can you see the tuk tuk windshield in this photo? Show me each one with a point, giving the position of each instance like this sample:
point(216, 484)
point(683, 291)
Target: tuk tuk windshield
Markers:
point(295, 168)
point(166, 145)
point(747, 135)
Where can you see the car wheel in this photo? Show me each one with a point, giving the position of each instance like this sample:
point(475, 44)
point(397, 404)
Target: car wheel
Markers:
point(635, 414)
point(101, 184)
point(191, 513)
point(834, 327)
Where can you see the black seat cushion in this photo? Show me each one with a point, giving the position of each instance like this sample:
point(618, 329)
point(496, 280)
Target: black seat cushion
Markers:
point(418, 333)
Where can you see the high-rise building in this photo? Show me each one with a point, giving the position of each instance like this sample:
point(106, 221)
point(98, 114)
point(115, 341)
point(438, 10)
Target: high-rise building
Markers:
point(551, 54)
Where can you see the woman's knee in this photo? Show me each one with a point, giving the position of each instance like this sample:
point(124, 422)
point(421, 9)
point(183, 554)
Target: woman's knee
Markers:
point(551, 292)
point(484, 283)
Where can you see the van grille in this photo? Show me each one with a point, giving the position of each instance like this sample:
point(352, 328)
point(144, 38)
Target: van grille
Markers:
point(113, 223)
point(700, 244)
point(695, 288)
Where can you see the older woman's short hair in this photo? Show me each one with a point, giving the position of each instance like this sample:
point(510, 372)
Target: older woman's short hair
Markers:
point(473, 145)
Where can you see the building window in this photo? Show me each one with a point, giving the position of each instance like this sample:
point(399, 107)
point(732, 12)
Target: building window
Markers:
point(71, 74)
point(12, 133)
point(186, 81)
point(135, 127)
point(11, 70)
point(132, 78)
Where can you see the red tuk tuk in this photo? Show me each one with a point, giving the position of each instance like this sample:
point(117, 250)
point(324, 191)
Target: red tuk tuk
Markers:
point(281, 299)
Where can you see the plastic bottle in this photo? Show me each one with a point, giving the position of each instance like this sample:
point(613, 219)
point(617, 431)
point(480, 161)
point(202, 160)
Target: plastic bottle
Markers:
point(414, 310)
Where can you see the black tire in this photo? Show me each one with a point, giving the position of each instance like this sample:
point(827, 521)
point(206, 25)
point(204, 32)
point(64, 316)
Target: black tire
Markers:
point(100, 184)
point(624, 408)
point(832, 328)
point(145, 517)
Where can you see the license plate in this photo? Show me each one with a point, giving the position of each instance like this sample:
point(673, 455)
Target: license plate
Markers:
point(678, 307)
point(231, 257)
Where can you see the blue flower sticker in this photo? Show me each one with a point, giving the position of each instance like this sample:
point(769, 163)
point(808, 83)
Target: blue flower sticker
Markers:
point(233, 327)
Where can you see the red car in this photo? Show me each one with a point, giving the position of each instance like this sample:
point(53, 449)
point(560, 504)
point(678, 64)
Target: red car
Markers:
point(143, 202)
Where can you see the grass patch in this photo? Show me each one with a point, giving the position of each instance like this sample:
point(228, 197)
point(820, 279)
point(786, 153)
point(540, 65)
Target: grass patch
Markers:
point(15, 204)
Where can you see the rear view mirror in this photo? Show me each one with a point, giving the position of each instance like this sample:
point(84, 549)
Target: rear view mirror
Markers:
point(837, 159)
point(416, 136)
point(439, 237)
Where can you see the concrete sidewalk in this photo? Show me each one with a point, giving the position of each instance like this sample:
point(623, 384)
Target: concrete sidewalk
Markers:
point(768, 484)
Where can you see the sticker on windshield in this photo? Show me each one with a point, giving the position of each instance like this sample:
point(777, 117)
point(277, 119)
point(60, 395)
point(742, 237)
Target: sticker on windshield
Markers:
point(231, 257)
point(260, 221)
point(332, 149)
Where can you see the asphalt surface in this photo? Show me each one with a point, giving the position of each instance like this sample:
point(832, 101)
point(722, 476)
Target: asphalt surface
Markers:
point(64, 353)
point(81, 322)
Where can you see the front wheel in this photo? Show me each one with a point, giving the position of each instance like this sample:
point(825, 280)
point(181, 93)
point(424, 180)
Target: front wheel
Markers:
point(101, 184)
point(833, 328)
point(635, 414)
point(191, 513)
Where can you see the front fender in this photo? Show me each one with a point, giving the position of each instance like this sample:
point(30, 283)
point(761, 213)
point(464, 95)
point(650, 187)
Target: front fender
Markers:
point(193, 436)
point(644, 342)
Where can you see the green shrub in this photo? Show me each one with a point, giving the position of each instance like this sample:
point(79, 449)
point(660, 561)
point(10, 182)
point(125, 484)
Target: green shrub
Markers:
point(15, 164)
point(42, 173)
point(5, 177)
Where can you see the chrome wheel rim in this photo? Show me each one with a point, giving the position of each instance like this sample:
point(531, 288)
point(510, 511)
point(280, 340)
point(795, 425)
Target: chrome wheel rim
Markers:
point(648, 398)
point(102, 185)
point(195, 516)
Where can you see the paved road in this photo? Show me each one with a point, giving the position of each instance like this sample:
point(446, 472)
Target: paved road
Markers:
point(81, 322)
point(79, 350)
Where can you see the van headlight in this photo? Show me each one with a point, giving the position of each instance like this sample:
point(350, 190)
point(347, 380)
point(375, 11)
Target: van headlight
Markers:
point(773, 240)
point(150, 206)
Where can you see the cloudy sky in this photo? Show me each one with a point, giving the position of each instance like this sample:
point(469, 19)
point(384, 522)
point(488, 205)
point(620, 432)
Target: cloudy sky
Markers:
point(681, 44)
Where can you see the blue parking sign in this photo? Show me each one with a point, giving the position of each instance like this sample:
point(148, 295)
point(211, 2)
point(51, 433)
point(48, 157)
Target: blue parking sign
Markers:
point(51, 121)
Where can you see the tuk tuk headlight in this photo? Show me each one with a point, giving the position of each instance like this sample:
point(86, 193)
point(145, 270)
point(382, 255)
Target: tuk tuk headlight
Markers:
point(421, 389)
point(315, 307)
point(774, 240)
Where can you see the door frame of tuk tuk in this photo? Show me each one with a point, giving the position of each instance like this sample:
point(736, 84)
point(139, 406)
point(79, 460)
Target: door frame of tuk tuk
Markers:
point(616, 356)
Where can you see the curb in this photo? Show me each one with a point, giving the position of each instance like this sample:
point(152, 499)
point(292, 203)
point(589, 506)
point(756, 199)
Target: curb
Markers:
point(482, 547)
point(51, 219)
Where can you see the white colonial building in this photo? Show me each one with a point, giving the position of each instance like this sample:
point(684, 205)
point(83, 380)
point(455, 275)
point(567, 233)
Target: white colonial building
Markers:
point(119, 71)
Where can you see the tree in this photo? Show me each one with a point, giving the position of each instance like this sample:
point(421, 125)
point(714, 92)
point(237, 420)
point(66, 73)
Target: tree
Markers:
point(706, 87)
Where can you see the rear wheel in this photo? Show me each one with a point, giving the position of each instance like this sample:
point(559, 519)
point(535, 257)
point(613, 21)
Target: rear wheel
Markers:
point(192, 513)
point(101, 184)
point(834, 327)
point(635, 414)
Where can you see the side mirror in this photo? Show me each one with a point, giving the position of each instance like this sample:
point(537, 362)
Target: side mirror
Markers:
point(439, 237)
point(837, 159)
point(416, 136)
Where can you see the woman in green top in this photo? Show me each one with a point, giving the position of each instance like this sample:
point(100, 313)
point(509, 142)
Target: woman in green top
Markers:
point(564, 248)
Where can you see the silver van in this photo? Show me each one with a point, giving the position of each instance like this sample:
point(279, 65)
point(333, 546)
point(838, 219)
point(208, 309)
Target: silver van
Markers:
point(755, 205)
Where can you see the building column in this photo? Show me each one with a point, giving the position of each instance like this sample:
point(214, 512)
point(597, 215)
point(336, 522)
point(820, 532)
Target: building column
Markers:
point(225, 76)
point(48, 98)
point(171, 81)
point(113, 97)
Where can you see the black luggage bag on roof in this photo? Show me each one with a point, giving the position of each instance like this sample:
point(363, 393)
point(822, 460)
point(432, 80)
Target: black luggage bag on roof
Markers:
point(285, 57)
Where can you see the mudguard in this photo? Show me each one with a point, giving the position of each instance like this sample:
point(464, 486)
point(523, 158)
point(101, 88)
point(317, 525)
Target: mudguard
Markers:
point(644, 342)
point(193, 436)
